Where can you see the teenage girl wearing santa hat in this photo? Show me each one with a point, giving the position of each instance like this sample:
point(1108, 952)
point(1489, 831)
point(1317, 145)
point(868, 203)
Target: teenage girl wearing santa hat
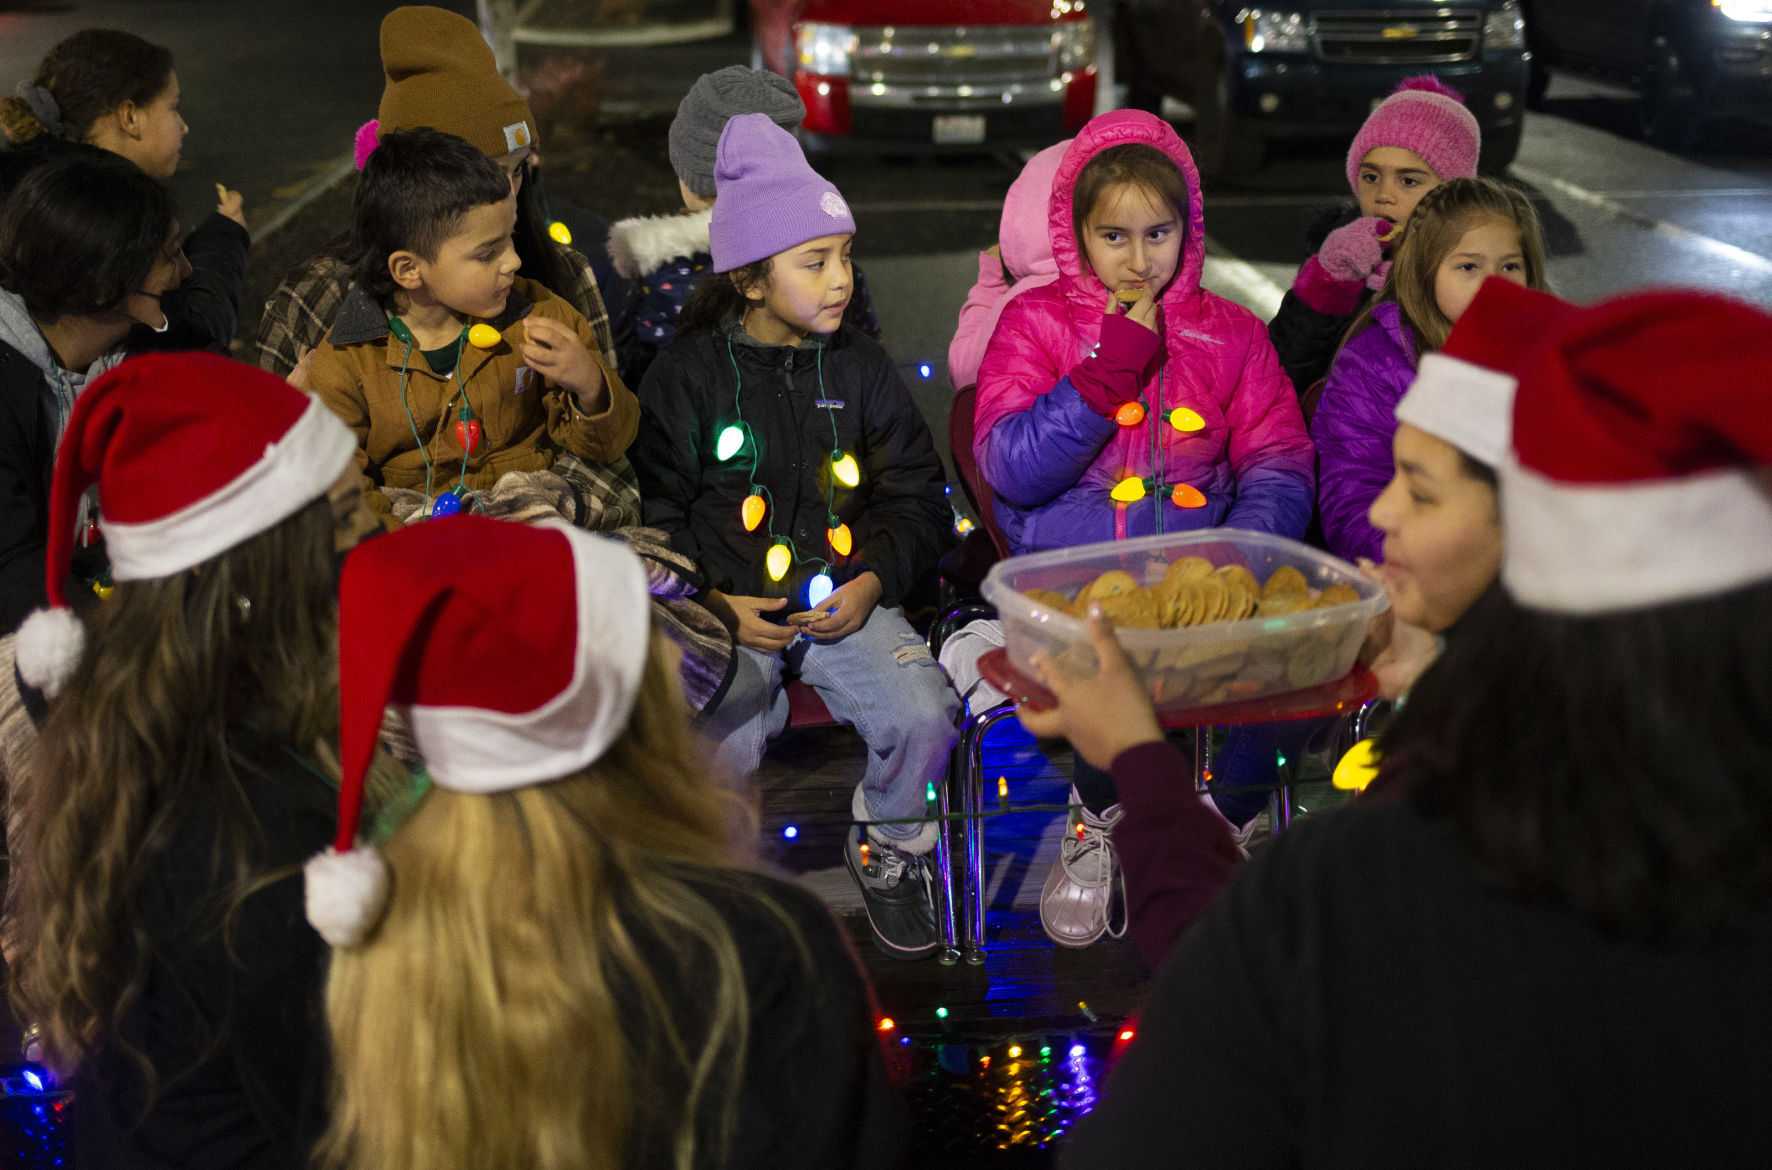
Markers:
point(181, 777)
point(558, 961)
point(1554, 952)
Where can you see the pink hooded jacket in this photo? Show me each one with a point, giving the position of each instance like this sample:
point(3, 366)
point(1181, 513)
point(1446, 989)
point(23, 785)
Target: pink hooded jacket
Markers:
point(1026, 248)
point(1052, 459)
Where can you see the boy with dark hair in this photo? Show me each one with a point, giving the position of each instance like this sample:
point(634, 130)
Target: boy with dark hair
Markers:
point(452, 370)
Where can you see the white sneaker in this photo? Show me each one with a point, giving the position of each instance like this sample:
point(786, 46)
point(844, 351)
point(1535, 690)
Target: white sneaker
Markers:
point(1076, 905)
point(1239, 836)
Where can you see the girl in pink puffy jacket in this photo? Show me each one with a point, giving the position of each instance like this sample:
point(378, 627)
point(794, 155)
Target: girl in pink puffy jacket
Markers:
point(1123, 400)
point(1100, 419)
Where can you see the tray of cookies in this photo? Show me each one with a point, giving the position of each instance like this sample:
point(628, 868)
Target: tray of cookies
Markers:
point(1207, 617)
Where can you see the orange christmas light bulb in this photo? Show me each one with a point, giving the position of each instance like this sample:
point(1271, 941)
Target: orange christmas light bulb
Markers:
point(1130, 414)
point(1188, 496)
point(841, 541)
point(752, 512)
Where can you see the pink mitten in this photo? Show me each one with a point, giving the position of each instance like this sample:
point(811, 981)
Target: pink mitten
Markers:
point(1352, 251)
point(1375, 282)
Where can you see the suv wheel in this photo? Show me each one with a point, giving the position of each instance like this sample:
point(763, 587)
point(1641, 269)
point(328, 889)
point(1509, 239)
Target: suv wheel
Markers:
point(1672, 113)
point(1501, 144)
point(1225, 146)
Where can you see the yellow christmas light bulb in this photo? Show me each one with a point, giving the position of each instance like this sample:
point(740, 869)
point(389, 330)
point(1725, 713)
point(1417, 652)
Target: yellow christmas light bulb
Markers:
point(1358, 768)
point(1130, 414)
point(1183, 419)
point(847, 470)
point(841, 541)
point(483, 336)
point(560, 233)
point(777, 561)
point(752, 512)
point(1129, 490)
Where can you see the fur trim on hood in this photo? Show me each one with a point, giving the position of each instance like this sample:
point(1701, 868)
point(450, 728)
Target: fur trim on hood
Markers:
point(643, 244)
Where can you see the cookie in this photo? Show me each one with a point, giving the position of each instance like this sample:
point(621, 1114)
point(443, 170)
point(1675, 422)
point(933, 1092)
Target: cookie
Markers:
point(1109, 583)
point(1338, 595)
point(1188, 569)
point(1127, 296)
point(1050, 598)
point(1283, 581)
point(1282, 604)
point(1241, 592)
point(1136, 610)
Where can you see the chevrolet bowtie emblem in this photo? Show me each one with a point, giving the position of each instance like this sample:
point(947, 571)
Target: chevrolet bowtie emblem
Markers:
point(1401, 32)
point(959, 52)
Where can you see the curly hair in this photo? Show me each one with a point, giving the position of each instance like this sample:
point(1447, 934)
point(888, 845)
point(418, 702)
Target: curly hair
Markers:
point(88, 75)
point(179, 691)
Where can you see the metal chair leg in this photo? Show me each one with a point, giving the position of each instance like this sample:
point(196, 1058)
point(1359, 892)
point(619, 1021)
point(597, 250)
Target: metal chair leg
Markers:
point(972, 794)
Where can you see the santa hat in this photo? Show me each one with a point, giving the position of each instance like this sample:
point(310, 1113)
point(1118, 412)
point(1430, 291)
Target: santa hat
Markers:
point(1464, 392)
point(1641, 435)
point(515, 653)
point(192, 454)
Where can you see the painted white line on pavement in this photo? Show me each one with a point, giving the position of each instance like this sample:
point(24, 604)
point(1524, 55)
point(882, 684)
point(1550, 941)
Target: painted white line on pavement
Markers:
point(309, 191)
point(891, 206)
point(1671, 231)
point(1241, 282)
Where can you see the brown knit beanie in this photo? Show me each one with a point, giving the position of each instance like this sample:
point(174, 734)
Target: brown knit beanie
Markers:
point(442, 76)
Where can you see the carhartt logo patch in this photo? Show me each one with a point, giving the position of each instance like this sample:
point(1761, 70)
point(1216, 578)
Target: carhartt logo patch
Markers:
point(832, 204)
point(517, 136)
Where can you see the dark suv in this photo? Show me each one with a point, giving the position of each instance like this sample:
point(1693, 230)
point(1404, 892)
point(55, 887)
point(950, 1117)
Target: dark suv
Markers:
point(1316, 67)
point(1693, 59)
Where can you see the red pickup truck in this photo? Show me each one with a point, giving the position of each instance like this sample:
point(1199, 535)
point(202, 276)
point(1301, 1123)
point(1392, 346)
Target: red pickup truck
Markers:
point(932, 74)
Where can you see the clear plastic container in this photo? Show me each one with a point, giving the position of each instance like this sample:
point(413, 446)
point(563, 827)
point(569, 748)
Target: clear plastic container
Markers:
point(1193, 666)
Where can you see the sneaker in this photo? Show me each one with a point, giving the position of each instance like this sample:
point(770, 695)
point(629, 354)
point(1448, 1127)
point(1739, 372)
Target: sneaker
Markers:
point(898, 890)
point(1241, 835)
point(1076, 906)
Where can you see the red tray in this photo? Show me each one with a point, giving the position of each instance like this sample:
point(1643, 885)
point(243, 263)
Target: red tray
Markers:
point(1331, 698)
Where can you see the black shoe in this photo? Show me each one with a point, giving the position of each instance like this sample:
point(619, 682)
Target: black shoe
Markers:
point(898, 890)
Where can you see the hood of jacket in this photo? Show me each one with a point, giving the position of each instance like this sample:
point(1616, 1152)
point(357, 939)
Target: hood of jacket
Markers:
point(20, 332)
point(1083, 291)
point(1024, 237)
point(644, 243)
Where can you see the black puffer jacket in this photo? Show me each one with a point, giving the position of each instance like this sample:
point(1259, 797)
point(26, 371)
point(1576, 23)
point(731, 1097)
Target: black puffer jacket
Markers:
point(839, 392)
point(1305, 338)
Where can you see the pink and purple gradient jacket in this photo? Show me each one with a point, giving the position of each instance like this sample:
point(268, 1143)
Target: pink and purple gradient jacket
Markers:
point(1052, 458)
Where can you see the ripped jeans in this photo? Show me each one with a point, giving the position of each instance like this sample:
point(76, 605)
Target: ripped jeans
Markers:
point(882, 681)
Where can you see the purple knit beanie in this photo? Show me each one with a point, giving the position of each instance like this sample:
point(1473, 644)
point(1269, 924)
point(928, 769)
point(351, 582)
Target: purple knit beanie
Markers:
point(1427, 116)
point(769, 198)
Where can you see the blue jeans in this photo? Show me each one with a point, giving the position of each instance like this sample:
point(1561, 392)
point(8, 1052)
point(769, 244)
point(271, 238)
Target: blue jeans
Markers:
point(882, 681)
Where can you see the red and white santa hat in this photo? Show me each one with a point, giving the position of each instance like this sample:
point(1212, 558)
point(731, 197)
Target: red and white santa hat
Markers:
point(1464, 392)
point(1642, 437)
point(192, 454)
point(515, 653)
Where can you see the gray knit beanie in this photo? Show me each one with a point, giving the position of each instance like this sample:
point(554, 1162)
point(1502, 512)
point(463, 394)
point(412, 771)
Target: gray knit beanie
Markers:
point(716, 97)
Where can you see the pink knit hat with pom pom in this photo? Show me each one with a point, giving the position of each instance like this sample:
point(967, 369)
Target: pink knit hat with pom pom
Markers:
point(1427, 116)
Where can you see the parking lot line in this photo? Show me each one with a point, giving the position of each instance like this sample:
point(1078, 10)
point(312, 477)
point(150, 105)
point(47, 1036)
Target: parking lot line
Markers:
point(1672, 231)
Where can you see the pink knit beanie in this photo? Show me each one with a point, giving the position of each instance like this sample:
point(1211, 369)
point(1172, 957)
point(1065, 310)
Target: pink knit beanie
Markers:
point(769, 197)
point(1427, 116)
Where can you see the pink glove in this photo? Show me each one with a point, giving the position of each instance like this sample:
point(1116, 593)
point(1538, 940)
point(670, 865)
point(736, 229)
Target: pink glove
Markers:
point(1333, 280)
point(1352, 251)
point(1382, 273)
point(1114, 373)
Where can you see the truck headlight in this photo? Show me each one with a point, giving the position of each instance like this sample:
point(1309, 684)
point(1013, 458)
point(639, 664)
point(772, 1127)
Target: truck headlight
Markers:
point(1267, 31)
point(1504, 28)
point(1746, 11)
point(824, 48)
point(1075, 42)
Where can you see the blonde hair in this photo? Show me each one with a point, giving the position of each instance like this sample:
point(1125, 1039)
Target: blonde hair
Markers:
point(1439, 221)
point(509, 1006)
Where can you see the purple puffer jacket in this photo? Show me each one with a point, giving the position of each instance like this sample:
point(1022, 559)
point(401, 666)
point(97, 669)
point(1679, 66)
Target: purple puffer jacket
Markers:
point(1353, 427)
point(1052, 460)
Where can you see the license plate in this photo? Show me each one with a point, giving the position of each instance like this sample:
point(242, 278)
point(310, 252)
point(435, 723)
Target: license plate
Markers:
point(959, 129)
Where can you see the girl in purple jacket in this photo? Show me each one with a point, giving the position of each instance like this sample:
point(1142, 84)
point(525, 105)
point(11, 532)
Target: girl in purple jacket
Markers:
point(1462, 232)
point(1123, 399)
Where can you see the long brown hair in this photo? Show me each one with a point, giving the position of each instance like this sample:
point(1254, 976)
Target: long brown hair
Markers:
point(188, 686)
point(515, 1006)
point(1438, 222)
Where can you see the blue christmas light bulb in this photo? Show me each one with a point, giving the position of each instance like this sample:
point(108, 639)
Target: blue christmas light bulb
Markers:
point(447, 504)
point(817, 589)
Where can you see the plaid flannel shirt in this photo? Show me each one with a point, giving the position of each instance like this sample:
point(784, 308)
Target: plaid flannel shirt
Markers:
point(302, 308)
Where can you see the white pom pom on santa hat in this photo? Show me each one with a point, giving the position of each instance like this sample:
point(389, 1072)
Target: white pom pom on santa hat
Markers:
point(48, 648)
point(346, 893)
